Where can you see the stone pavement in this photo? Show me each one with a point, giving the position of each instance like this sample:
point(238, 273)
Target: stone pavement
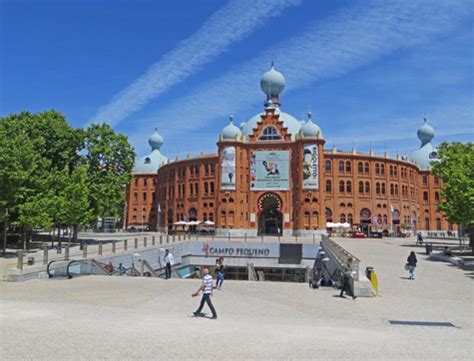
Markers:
point(142, 318)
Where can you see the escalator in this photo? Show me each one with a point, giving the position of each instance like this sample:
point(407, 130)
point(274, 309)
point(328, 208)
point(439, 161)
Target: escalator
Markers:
point(74, 268)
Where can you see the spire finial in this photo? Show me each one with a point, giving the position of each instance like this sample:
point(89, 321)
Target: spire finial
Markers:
point(231, 117)
point(273, 63)
point(310, 115)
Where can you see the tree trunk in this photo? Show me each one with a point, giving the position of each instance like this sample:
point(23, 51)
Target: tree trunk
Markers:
point(75, 231)
point(4, 233)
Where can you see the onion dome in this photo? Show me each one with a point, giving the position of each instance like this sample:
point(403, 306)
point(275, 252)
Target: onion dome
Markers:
point(272, 84)
point(153, 161)
point(424, 155)
point(231, 131)
point(309, 129)
point(425, 133)
point(155, 140)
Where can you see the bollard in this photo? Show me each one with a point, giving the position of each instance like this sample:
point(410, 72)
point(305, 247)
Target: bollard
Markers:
point(296, 238)
point(314, 238)
point(246, 237)
point(136, 243)
point(114, 247)
point(179, 237)
point(153, 242)
point(228, 236)
point(174, 237)
point(161, 239)
point(125, 244)
point(100, 249)
point(212, 238)
point(20, 260)
point(66, 253)
point(278, 238)
point(262, 238)
point(167, 238)
point(84, 251)
point(45, 255)
point(144, 241)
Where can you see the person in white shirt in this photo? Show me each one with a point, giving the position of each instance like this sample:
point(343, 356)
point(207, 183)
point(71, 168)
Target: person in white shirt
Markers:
point(206, 288)
point(169, 262)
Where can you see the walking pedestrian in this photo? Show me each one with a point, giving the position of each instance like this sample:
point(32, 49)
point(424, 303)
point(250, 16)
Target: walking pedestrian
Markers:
point(169, 262)
point(206, 288)
point(219, 272)
point(346, 280)
point(411, 262)
point(419, 239)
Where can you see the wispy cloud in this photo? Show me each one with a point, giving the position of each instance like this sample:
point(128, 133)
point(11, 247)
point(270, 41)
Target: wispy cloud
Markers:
point(357, 36)
point(231, 23)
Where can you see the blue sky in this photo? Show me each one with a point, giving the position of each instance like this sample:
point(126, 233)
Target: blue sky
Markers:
point(368, 70)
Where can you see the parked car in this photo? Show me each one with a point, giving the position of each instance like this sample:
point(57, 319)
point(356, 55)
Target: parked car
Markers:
point(358, 234)
point(376, 234)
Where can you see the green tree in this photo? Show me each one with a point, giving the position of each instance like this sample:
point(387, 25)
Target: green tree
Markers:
point(110, 160)
point(456, 169)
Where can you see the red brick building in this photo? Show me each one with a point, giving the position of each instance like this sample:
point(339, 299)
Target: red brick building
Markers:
point(272, 175)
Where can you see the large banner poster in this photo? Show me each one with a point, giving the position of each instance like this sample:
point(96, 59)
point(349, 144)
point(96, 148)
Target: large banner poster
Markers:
point(310, 167)
point(228, 168)
point(269, 170)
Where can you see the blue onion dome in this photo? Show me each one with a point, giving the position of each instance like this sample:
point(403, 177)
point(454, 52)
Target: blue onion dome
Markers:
point(155, 140)
point(425, 133)
point(272, 82)
point(230, 131)
point(309, 129)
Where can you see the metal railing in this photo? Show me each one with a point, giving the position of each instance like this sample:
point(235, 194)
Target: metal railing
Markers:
point(341, 256)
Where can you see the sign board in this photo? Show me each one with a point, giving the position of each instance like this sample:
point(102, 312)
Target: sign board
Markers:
point(310, 167)
point(269, 170)
point(228, 168)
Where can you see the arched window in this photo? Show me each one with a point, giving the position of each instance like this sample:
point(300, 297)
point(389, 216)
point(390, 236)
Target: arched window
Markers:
point(427, 224)
point(436, 196)
point(231, 200)
point(377, 168)
point(231, 219)
point(396, 190)
point(392, 192)
point(377, 188)
point(436, 181)
point(223, 219)
point(341, 186)
point(328, 166)
point(144, 196)
point(360, 167)
point(366, 168)
point(341, 166)
point(206, 188)
point(307, 219)
point(391, 170)
point(349, 187)
point(382, 168)
point(383, 188)
point(367, 187)
point(211, 217)
point(269, 133)
point(349, 218)
point(385, 219)
point(361, 187)
point(315, 220)
point(328, 214)
point(307, 200)
point(348, 166)
point(342, 205)
point(328, 186)
point(342, 218)
point(379, 219)
point(204, 216)
point(349, 205)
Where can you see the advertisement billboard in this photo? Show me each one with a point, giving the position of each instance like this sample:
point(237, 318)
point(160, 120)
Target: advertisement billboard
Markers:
point(269, 170)
point(228, 168)
point(310, 167)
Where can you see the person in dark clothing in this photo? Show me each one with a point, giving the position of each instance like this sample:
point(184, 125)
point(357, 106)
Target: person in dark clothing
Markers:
point(219, 272)
point(411, 261)
point(346, 280)
point(419, 239)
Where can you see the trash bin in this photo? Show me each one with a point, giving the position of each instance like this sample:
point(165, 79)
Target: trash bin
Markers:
point(429, 248)
point(31, 261)
point(368, 271)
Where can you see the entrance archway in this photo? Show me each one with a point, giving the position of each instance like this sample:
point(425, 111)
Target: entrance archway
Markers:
point(270, 218)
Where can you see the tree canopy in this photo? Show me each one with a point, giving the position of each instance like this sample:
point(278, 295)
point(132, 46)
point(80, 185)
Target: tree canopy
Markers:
point(52, 174)
point(456, 169)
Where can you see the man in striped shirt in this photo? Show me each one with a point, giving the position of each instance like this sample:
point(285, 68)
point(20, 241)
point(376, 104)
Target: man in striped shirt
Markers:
point(206, 288)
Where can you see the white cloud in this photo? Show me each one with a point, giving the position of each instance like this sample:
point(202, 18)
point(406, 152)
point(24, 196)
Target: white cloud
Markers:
point(357, 36)
point(231, 23)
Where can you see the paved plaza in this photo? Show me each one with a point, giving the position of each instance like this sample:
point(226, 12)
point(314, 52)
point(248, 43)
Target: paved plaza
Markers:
point(143, 318)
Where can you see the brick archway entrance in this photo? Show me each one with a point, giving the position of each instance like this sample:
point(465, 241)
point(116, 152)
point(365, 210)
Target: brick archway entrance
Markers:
point(270, 217)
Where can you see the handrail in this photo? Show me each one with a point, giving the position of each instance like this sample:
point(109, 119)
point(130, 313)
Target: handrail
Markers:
point(341, 255)
point(144, 263)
